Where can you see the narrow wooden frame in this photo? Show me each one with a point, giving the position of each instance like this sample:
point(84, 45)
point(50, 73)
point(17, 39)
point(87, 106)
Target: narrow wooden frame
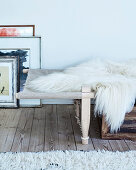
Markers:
point(127, 130)
point(33, 26)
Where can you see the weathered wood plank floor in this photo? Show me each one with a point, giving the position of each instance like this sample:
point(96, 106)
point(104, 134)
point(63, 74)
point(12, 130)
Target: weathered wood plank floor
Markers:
point(52, 127)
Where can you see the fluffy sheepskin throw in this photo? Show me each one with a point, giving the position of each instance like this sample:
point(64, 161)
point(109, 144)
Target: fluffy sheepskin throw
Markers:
point(113, 82)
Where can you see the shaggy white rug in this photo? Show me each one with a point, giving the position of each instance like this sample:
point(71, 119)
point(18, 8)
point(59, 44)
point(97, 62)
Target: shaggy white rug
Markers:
point(113, 82)
point(69, 160)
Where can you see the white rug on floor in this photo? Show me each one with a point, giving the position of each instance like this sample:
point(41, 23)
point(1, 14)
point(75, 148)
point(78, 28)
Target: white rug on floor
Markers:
point(68, 160)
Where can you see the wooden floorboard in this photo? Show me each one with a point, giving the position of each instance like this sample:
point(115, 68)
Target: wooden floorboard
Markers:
point(119, 145)
point(23, 132)
point(38, 131)
point(66, 135)
point(52, 127)
point(95, 135)
point(8, 128)
point(131, 144)
point(115, 145)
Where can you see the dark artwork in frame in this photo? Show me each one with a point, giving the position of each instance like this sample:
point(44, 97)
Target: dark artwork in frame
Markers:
point(23, 55)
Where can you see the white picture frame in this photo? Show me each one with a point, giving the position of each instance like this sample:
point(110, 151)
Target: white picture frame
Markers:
point(8, 81)
point(32, 43)
point(23, 55)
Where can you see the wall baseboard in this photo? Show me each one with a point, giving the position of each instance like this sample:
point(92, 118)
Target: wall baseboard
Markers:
point(61, 101)
point(57, 101)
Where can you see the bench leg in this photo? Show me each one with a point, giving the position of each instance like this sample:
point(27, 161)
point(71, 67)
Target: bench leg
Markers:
point(77, 109)
point(85, 119)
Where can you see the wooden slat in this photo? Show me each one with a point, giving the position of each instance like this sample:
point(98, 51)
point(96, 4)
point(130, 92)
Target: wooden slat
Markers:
point(37, 134)
point(51, 128)
point(118, 145)
point(66, 135)
point(129, 124)
point(8, 128)
point(59, 95)
point(104, 128)
point(95, 134)
point(131, 144)
point(22, 136)
point(131, 115)
point(3, 117)
point(129, 136)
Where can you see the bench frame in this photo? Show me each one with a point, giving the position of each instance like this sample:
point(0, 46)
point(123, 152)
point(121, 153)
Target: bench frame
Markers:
point(85, 95)
point(82, 102)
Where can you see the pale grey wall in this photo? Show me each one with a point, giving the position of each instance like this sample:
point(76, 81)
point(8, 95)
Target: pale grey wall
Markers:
point(75, 30)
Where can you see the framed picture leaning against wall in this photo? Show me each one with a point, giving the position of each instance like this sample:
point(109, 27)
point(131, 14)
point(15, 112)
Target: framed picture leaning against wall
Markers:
point(29, 51)
point(9, 84)
point(23, 55)
point(17, 30)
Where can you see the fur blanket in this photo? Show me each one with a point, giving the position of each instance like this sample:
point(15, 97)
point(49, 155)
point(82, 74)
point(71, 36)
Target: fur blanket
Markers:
point(113, 82)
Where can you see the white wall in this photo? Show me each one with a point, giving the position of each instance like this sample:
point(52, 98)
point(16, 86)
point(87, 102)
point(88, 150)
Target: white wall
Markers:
point(75, 30)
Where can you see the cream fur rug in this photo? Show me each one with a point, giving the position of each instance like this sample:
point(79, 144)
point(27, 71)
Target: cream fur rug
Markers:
point(113, 82)
point(69, 160)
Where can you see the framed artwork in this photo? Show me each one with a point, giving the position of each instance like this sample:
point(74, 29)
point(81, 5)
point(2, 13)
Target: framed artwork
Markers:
point(17, 30)
point(29, 51)
point(8, 81)
point(23, 55)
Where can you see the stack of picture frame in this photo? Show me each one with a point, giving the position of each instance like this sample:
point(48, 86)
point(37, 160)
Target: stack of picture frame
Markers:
point(19, 49)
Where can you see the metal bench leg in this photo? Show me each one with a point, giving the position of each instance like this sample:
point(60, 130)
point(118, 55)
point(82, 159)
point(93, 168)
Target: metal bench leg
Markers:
point(85, 114)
